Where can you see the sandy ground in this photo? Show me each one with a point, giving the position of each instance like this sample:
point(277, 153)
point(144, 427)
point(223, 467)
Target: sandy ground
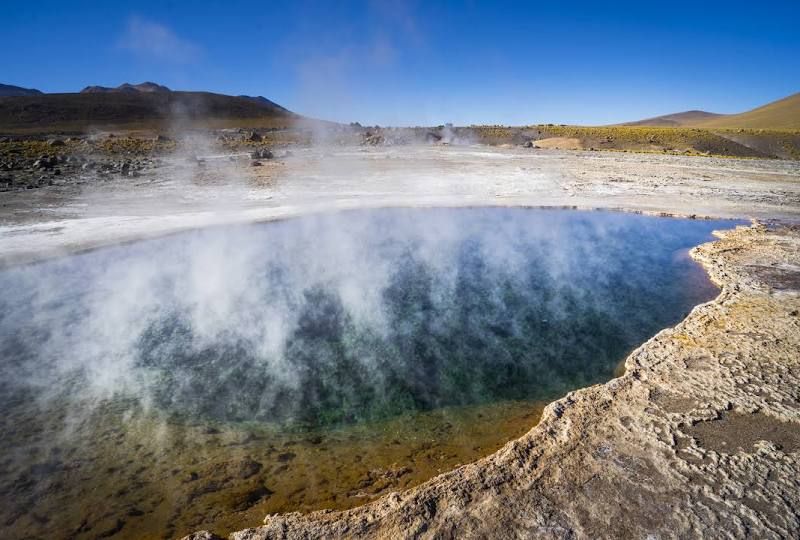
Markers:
point(700, 437)
point(49, 221)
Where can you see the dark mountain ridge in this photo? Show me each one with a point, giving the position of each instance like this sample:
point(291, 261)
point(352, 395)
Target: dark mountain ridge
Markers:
point(146, 86)
point(137, 109)
point(9, 90)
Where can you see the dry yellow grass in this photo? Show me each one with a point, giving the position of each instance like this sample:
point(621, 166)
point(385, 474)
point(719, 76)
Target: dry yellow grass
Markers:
point(747, 143)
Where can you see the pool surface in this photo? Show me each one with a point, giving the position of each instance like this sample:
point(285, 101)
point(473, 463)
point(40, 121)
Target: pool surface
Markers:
point(203, 380)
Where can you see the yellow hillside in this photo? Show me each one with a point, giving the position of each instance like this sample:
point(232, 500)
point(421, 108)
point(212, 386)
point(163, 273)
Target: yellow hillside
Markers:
point(781, 114)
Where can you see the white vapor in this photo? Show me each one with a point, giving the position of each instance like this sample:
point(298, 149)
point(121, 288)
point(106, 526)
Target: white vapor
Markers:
point(154, 40)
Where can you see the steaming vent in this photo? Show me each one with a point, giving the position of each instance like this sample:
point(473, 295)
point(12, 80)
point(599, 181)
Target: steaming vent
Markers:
point(317, 362)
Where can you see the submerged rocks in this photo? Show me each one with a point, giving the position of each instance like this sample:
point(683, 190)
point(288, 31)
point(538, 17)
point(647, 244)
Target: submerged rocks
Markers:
point(246, 468)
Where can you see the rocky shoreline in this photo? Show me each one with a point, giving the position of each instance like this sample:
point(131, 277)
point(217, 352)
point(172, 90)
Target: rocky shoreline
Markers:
point(699, 437)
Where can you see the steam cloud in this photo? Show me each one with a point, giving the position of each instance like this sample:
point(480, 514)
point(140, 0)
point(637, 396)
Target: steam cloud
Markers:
point(345, 317)
point(157, 41)
point(301, 327)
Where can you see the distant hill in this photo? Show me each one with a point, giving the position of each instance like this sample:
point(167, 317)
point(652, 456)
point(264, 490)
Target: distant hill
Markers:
point(137, 109)
point(687, 118)
point(8, 90)
point(127, 87)
point(781, 114)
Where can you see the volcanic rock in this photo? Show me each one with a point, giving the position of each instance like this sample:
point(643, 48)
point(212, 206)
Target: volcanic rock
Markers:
point(264, 153)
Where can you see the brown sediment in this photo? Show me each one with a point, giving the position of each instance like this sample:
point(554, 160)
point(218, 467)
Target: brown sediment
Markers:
point(222, 478)
point(699, 437)
point(345, 468)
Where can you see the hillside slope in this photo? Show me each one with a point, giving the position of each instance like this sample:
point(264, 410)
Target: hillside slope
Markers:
point(781, 114)
point(135, 110)
point(687, 118)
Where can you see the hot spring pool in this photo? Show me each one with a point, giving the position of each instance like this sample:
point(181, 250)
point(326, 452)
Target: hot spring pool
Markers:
point(206, 379)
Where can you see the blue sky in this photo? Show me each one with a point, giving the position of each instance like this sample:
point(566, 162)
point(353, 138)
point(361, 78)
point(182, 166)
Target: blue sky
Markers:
point(407, 63)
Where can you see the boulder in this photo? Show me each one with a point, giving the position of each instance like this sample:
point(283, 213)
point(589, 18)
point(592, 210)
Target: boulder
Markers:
point(45, 162)
point(264, 153)
point(372, 139)
point(432, 137)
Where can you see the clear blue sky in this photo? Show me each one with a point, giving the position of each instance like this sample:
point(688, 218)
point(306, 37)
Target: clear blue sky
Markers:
point(394, 62)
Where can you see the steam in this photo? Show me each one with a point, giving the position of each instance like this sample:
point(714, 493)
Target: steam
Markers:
point(240, 323)
point(179, 349)
point(156, 41)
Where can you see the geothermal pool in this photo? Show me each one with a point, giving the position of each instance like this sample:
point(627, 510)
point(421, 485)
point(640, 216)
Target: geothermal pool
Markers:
point(205, 379)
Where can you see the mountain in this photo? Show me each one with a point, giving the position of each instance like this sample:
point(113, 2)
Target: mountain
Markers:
point(137, 109)
point(8, 90)
point(781, 114)
point(687, 118)
point(127, 87)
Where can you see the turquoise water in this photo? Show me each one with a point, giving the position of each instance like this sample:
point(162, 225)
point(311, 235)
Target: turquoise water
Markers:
point(316, 324)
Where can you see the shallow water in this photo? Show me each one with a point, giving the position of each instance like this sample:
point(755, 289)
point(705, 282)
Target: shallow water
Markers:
point(206, 379)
